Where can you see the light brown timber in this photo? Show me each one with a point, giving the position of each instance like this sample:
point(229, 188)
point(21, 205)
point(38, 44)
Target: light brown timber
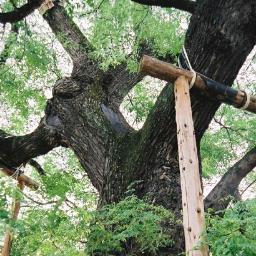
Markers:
point(192, 196)
point(21, 178)
point(15, 212)
point(168, 72)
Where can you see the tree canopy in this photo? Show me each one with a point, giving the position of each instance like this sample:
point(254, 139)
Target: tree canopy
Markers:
point(100, 138)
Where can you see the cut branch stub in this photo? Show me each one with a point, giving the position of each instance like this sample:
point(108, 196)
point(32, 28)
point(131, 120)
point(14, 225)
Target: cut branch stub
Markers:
point(46, 5)
point(168, 72)
point(192, 196)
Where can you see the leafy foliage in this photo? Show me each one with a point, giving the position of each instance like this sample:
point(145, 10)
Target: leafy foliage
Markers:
point(48, 232)
point(231, 134)
point(118, 29)
point(56, 231)
point(234, 234)
point(56, 217)
point(132, 222)
point(60, 218)
point(26, 61)
point(140, 104)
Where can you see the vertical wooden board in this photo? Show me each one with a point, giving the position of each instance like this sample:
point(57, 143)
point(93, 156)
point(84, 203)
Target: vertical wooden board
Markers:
point(7, 244)
point(15, 212)
point(192, 197)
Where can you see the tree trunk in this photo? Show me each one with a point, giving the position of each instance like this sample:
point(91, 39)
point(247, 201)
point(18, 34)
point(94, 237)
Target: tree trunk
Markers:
point(220, 36)
point(84, 111)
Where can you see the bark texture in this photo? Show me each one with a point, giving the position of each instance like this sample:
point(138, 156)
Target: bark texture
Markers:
point(184, 5)
point(21, 12)
point(17, 150)
point(84, 111)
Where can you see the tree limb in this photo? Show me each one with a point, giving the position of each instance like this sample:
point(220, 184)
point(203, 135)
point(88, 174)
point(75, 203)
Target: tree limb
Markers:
point(37, 166)
point(73, 41)
point(220, 196)
point(21, 12)
point(120, 80)
point(32, 162)
point(17, 150)
point(184, 5)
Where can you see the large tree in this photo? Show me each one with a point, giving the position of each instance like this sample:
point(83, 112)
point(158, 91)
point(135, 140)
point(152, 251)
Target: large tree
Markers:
point(84, 113)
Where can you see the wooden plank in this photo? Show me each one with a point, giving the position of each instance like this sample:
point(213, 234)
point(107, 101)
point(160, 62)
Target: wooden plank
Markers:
point(192, 196)
point(15, 212)
point(21, 178)
point(7, 244)
point(168, 72)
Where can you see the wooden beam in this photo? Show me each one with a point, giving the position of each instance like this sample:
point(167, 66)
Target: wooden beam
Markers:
point(21, 178)
point(192, 196)
point(168, 72)
point(15, 212)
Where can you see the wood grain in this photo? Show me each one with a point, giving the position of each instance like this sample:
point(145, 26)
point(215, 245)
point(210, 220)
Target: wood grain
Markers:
point(168, 72)
point(192, 196)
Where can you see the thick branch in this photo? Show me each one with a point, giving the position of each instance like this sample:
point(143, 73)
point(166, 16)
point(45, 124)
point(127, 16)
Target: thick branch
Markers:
point(17, 150)
point(73, 41)
point(220, 196)
point(119, 81)
point(21, 12)
point(37, 166)
point(79, 110)
point(184, 5)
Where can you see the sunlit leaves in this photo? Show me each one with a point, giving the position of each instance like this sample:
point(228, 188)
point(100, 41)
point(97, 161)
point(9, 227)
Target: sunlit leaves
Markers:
point(121, 27)
point(130, 221)
point(140, 103)
point(24, 59)
point(234, 234)
point(231, 134)
point(49, 232)
point(57, 219)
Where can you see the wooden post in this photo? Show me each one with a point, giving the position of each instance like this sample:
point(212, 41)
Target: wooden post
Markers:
point(192, 196)
point(21, 178)
point(8, 236)
point(168, 72)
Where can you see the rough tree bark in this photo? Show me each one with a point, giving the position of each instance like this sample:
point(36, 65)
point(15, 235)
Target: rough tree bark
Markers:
point(226, 189)
point(21, 12)
point(84, 111)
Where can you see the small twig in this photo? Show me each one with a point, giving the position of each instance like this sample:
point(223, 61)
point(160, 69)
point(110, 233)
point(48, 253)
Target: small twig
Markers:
point(95, 9)
point(70, 202)
point(248, 187)
point(40, 203)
